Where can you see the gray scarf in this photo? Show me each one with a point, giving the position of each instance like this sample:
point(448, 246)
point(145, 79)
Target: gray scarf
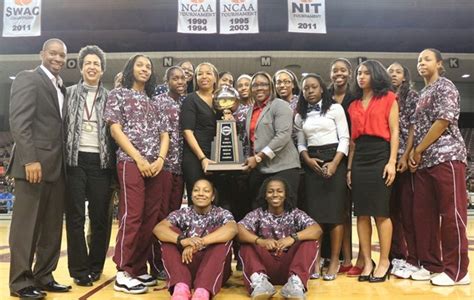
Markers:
point(76, 97)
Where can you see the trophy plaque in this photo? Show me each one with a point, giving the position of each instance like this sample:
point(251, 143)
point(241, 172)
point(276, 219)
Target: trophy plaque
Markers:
point(226, 149)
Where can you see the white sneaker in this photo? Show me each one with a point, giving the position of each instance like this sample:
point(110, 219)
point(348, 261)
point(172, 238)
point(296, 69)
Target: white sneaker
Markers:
point(464, 281)
point(423, 275)
point(147, 279)
point(406, 271)
point(293, 289)
point(397, 264)
point(443, 279)
point(127, 284)
point(261, 287)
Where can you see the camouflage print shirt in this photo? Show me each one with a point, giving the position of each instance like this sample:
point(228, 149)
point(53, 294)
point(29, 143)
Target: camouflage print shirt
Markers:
point(193, 224)
point(141, 121)
point(172, 109)
point(406, 111)
point(439, 101)
point(269, 226)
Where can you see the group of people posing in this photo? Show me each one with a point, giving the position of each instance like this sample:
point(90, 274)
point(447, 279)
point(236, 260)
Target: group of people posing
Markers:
point(313, 151)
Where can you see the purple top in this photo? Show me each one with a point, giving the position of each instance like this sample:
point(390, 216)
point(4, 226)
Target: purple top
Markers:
point(406, 111)
point(193, 224)
point(240, 116)
point(269, 226)
point(172, 109)
point(141, 121)
point(439, 101)
point(294, 103)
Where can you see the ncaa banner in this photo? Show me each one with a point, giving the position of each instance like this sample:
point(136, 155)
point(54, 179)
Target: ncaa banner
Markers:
point(22, 18)
point(308, 16)
point(238, 16)
point(197, 16)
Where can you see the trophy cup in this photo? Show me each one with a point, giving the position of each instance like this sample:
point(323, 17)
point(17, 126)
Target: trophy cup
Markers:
point(226, 149)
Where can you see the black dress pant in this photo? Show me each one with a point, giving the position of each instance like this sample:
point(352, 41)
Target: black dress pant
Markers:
point(35, 232)
point(87, 182)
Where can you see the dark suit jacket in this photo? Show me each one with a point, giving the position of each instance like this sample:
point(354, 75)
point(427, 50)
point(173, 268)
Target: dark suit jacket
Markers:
point(36, 125)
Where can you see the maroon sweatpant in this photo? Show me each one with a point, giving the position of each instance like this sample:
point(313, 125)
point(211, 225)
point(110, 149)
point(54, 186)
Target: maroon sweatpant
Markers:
point(209, 269)
point(139, 207)
point(172, 191)
point(298, 260)
point(440, 216)
point(401, 214)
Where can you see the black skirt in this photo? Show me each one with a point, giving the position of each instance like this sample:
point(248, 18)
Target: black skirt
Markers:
point(326, 198)
point(370, 195)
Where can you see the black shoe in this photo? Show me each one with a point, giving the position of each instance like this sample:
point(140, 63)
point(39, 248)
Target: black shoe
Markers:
point(161, 275)
point(29, 292)
point(238, 267)
point(362, 278)
point(83, 281)
point(55, 287)
point(95, 276)
point(373, 279)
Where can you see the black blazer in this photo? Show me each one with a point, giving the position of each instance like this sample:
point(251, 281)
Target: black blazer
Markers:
point(36, 125)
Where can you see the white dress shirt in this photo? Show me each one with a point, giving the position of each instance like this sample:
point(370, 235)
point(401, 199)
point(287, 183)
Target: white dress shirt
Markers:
point(320, 130)
point(57, 82)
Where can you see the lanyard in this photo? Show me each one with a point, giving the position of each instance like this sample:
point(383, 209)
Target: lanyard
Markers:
point(89, 114)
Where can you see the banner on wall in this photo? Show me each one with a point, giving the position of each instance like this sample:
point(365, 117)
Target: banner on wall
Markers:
point(238, 16)
point(22, 18)
point(197, 16)
point(307, 16)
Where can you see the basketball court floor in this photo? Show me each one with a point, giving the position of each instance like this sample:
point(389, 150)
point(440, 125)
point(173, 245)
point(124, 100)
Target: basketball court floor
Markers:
point(341, 288)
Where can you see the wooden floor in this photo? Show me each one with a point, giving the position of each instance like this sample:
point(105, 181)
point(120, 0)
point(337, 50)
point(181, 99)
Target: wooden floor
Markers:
point(342, 288)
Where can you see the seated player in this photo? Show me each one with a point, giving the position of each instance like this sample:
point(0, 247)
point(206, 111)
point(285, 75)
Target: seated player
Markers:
point(195, 244)
point(278, 244)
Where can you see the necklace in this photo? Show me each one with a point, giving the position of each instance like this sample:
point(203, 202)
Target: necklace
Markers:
point(87, 126)
point(145, 112)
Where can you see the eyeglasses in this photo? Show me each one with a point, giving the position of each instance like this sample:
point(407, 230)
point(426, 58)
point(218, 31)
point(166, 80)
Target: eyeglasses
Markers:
point(284, 82)
point(256, 85)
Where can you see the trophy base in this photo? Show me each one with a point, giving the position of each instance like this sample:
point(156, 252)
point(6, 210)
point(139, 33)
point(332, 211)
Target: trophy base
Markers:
point(224, 167)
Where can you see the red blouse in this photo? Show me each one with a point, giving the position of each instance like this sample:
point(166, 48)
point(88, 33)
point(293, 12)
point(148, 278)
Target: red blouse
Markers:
point(256, 111)
point(373, 120)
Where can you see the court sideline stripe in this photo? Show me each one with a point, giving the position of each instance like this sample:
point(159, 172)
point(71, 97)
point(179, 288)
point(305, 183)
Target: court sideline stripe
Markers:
point(95, 290)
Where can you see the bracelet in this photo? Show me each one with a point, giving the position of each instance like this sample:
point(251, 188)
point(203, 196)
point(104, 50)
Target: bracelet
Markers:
point(202, 158)
point(255, 242)
point(159, 156)
point(178, 241)
point(295, 236)
point(349, 170)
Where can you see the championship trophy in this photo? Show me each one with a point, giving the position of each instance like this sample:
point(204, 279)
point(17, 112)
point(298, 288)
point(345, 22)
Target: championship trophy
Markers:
point(226, 149)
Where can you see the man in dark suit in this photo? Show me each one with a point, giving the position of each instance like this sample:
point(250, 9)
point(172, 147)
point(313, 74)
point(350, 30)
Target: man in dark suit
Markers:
point(37, 108)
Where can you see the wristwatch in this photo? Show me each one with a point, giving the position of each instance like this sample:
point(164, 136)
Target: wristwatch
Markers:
point(258, 159)
point(294, 236)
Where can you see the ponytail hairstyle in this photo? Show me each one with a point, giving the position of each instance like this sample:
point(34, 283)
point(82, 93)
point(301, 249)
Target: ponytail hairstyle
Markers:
point(407, 84)
point(294, 80)
point(439, 58)
point(214, 71)
point(168, 72)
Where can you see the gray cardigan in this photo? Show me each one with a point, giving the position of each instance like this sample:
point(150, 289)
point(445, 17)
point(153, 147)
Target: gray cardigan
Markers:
point(76, 97)
point(273, 137)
